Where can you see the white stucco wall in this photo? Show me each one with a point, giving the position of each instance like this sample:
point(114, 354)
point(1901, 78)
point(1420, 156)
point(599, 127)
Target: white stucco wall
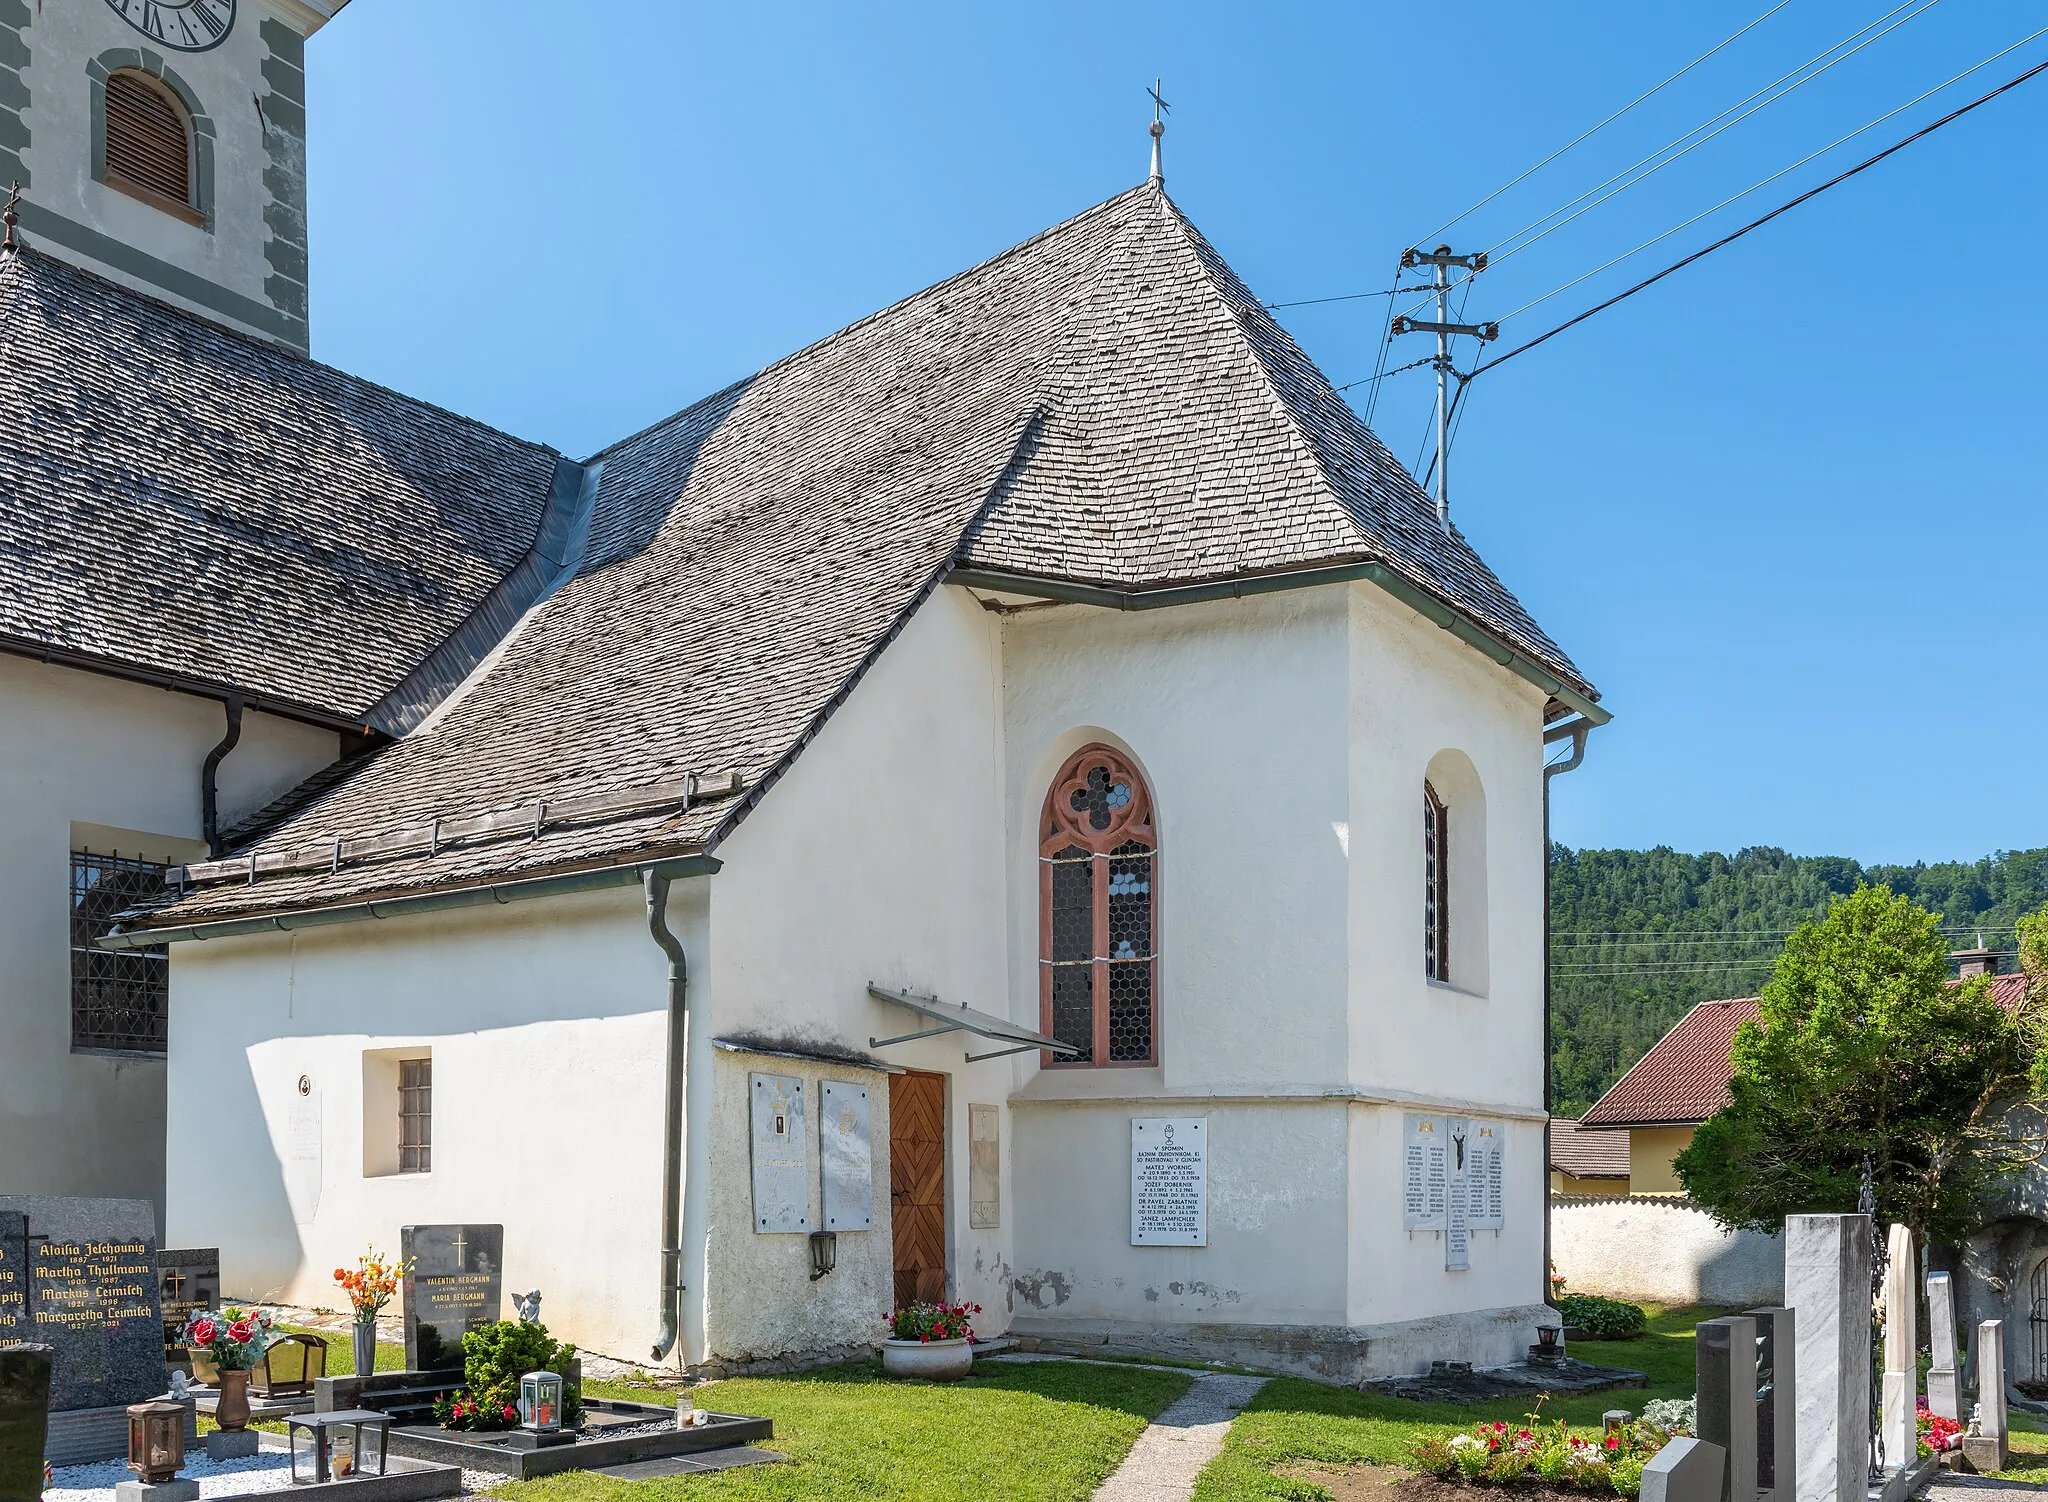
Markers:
point(94, 762)
point(1665, 1251)
point(546, 1021)
point(225, 80)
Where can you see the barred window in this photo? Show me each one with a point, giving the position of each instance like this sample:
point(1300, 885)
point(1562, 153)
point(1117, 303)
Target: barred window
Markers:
point(1436, 886)
point(120, 999)
point(415, 1115)
point(1098, 912)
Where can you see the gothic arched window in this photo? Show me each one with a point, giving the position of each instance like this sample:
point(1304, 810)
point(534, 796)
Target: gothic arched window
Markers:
point(1098, 862)
point(1436, 886)
point(149, 143)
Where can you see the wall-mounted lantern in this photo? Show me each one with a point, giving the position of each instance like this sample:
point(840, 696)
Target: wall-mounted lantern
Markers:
point(824, 1253)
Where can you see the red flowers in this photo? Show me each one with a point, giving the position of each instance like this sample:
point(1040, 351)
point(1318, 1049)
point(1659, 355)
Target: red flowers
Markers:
point(511, 1412)
point(202, 1331)
point(242, 1331)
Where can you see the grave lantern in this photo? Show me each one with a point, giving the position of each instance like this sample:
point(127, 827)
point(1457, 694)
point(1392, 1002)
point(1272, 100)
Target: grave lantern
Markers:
point(540, 1402)
point(335, 1446)
point(824, 1253)
point(156, 1441)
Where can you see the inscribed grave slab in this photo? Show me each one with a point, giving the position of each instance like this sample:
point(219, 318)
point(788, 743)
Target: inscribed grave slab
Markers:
point(88, 1270)
point(457, 1283)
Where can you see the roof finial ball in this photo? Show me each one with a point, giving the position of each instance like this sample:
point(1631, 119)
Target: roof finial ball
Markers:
point(1159, 107)
point(9, 218)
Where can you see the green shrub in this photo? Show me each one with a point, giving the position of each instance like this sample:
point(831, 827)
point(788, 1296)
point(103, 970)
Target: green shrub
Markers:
point(1602, 1319)
point(495, 1357)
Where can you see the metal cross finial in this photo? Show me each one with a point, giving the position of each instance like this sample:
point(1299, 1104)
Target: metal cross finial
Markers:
point(9, 218)
point(1159, 107)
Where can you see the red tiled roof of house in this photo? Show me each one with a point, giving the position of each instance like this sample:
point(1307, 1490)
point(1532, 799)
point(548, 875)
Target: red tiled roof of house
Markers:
point(1684, 1079)
point(1587, 1155)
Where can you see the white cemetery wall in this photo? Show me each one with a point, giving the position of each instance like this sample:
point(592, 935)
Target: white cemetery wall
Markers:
point(545, 1021)
point(93, 762)
point(878, 857)
point(1666, 1251)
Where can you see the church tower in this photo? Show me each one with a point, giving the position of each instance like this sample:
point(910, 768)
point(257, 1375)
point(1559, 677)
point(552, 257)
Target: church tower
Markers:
point(163, 143)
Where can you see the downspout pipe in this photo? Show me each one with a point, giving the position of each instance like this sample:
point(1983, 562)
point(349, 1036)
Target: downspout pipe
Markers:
point(1576, 730)
point(209, 785)
point(672, 1181)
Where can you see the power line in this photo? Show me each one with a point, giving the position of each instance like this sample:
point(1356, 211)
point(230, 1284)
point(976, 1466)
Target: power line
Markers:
point(1759, 223)
point(1720, 122)
point(1584, 135)
point(1781, 172)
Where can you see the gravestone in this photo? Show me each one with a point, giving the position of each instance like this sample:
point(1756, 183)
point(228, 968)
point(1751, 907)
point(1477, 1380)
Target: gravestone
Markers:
point(1944, 1387)
point(87, 1271)
point(1986, 1449)
point(188, 1282)
point(1897, 1426)
point(1827, 1285)
point(24, 1420)
point(457, 1283)
point(1686, 1470)
point(1725, 1362)
point(1777, 1389)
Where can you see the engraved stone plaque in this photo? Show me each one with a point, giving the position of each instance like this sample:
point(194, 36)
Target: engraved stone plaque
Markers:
point(305, 1164)
point(86, 1272)
point(1487, 1202)
point(847, 1154)
point(457, 1283)
point(187, 1282)
point(782, 1167)
point(1458, 1217)
point(1424, 1173)
point(984, 1168)
point(1169, 1181)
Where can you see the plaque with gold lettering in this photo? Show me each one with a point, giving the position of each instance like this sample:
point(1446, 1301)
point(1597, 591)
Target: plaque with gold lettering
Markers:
point(85, 1270)
point(457, 1282)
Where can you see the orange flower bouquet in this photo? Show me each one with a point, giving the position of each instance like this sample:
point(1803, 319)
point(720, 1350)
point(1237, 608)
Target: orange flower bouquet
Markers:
point(370, 1285)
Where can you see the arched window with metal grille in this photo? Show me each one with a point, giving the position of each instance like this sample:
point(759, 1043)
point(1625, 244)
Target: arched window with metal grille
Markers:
point(1098, 862)
point(1436, 885)
point(149, 143)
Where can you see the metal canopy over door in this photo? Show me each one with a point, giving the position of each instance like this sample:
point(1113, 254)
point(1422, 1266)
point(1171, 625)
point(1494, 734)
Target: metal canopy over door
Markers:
point(917, 1185)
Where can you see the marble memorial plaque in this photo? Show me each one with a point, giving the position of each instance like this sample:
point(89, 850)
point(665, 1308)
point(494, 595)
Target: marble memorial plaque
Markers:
point(848, 1157)
point(1458, 1214)
point(457, 1283)
point(24, 1420)
point(984, 1168)
point(1169, 1181)
point(782, 1167)
point(187, 1282)
point(1486, 1200)
point(305, 1162)
point(88, 1285)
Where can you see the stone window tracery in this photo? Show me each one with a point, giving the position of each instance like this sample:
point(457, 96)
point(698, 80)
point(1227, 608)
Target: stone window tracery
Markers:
point(1098, 912)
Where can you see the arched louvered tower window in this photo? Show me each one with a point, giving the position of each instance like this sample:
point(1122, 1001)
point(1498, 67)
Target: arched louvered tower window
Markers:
point(149, 143)
point(1436, 885)
point(1098, 862)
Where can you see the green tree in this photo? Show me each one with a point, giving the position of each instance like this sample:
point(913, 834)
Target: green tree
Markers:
point(1866, 1052)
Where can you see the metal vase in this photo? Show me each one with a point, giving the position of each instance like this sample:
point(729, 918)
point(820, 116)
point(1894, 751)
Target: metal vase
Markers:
point(365, 1333)
point(231, 1413)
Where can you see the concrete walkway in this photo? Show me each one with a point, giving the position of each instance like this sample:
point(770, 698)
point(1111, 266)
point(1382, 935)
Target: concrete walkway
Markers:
point(1953, 1488)
point(1171, 1453)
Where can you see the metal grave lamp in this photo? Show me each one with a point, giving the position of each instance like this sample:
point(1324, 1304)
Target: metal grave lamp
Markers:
point(540, 1402)
point(335, 1446)
point(156, 1441)
point(824, 1253)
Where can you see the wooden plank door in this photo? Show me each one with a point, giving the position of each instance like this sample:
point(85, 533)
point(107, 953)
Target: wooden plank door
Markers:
point(917, 1185)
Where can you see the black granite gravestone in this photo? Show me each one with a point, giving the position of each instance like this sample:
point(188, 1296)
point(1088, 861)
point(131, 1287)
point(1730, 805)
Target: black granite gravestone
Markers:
point(14, 1323)
point(457, 1282)
point(24, 1420)
point(87, 1271)
point(187, 1282)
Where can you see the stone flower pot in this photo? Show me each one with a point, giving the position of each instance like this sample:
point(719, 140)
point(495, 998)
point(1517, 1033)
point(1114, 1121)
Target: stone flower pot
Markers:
point(933, 1360)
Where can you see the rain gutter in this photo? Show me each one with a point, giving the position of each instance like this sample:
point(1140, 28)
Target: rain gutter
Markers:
point(419, 902)
point(1400, 587)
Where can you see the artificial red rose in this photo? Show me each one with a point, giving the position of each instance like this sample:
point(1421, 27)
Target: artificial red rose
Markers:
point(203, 1332)
point(242, 1331)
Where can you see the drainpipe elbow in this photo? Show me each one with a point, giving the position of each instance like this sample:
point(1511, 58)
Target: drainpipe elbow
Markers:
point(209, 785)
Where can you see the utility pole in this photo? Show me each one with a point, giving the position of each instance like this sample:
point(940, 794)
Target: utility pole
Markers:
point(1441, 260)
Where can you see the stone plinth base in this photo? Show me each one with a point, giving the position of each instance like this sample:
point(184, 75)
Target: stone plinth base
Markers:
point(235, 1444)
point(179, 1490)
point(1983, 1454)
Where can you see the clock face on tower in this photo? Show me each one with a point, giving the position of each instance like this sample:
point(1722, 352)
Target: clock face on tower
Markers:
point(184, 25)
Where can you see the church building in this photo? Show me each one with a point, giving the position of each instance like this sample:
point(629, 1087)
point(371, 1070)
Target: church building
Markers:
point(1021, 802)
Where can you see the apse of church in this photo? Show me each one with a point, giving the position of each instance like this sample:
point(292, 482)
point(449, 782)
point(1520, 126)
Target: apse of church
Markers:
point(163, 144)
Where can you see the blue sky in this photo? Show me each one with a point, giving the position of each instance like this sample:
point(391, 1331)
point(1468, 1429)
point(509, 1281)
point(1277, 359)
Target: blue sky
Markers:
point(1784, 509)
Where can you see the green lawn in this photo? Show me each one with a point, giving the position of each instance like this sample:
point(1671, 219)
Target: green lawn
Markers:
point(1037, 1432)
point(1292, 1421)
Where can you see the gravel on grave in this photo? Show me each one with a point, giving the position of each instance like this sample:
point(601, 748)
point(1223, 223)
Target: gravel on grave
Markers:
point(265, 1471)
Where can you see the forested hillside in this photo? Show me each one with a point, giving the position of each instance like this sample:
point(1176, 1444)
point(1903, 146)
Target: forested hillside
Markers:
point(1638, 936)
